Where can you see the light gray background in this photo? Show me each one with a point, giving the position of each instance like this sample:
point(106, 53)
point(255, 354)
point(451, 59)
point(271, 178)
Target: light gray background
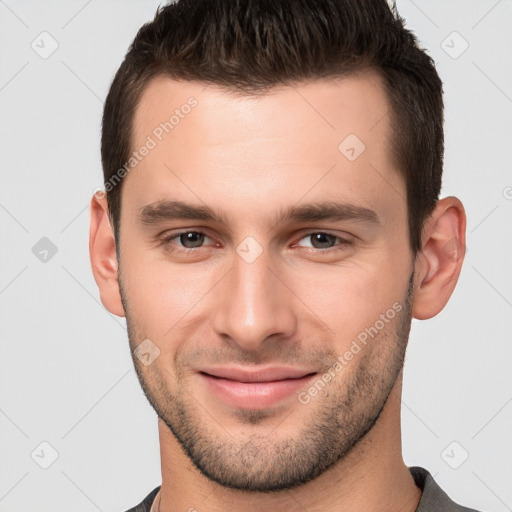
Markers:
point(66, 376)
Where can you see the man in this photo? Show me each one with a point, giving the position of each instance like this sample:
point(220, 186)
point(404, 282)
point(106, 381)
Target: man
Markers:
point(271, 225)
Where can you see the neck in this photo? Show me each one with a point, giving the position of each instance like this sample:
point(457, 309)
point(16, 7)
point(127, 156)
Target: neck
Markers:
point(372, 477)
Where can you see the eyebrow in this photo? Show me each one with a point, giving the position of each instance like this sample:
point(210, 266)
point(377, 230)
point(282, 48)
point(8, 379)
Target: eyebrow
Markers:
point(166, 210)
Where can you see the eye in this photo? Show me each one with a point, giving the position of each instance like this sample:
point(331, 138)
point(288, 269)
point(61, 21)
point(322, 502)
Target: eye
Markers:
point(324, 241)
point(192, 241)
point(188, 240)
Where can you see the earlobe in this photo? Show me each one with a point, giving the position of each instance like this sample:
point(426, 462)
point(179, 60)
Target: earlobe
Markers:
point(102, 251)
point(438, 266)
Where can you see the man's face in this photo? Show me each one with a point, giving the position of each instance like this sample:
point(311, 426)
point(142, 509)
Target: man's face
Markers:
point(252, 312)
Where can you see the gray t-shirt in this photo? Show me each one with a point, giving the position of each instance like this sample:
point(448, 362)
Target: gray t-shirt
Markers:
point(433, 498)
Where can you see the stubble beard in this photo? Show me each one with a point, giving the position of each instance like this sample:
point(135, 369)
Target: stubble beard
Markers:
point(339, 417)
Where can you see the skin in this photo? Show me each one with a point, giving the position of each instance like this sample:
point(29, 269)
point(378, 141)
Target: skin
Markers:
point(299, 303)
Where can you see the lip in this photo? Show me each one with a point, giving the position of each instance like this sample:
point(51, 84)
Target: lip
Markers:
point(254, 388)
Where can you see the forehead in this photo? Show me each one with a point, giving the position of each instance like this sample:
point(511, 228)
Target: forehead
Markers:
point(323, 137)
point(354, 103)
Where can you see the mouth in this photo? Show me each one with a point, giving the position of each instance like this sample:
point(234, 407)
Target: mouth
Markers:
point(255, 388)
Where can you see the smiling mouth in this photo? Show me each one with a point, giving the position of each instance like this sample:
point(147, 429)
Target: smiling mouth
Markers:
point(255, 390)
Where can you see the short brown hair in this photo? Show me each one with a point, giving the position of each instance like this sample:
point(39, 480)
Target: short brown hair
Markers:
point(250, 46)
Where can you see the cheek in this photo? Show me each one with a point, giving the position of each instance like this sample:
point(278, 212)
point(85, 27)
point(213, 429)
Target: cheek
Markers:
point(344, 298)
point(161, 294)
point(350, 298)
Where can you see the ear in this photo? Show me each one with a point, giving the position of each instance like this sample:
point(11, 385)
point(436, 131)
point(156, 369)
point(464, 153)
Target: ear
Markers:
point(102, 251)
point(438, 265)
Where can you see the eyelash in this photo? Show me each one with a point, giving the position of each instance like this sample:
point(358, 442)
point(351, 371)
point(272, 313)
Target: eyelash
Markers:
point(166, 242)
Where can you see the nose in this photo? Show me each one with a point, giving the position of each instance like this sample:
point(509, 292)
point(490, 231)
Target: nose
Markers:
point(253, 303)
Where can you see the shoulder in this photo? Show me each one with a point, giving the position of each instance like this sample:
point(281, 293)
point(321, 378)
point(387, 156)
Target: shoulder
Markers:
point(145, 504)
point(433, 498)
